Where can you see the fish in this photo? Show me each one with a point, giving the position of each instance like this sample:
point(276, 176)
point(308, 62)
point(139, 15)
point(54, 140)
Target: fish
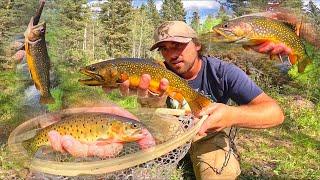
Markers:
point(111, 73)
point(89, 127)
point(38, 60)
point(254, 30)
point(303, 26)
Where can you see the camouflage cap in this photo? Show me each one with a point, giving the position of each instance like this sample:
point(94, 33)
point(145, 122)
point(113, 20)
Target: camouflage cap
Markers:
point(176, 31)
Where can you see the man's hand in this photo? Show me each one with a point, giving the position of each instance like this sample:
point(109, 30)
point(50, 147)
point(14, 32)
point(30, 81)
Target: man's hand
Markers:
point(271, 48)
point(145, 97)
point(77, 149)
point(219, 118)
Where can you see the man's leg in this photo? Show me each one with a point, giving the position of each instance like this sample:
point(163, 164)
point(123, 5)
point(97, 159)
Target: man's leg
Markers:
point(208, 155)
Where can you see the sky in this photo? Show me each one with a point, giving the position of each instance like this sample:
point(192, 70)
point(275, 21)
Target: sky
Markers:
point(205, 7)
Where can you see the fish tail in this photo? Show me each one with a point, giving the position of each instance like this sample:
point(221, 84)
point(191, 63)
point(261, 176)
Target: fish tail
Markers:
point(302, 64)
point(198, 103)
point(47, 99)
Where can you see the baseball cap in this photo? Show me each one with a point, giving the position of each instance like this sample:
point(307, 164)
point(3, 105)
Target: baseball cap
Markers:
point(176, 31)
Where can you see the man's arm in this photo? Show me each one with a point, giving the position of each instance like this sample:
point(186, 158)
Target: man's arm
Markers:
point(261, 112)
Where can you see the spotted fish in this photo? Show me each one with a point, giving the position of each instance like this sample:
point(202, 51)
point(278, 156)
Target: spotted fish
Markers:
point(254, 30)
point(112, 72)
point(38, 59)
point(88, 128)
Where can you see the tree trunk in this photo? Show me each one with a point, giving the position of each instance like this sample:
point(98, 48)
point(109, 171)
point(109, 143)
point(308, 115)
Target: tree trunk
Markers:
point(140, 39)
point(84, 45)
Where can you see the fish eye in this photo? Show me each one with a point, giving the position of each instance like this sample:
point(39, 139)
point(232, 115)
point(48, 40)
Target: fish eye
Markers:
point(135, 125)
point(225, 25)
point(92, 68)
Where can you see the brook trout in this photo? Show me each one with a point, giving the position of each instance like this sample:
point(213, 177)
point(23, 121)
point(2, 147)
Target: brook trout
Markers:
point(89, 128)
point(38, 59)
point(254, 30)
point(112, 72)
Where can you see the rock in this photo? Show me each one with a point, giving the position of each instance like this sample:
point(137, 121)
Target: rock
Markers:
point(31, 100)
point(18, 56)
point(17, 45)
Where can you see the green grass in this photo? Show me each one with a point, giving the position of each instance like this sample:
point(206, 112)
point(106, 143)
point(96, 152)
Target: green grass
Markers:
point(290, 151)
point(9, 169)
point(57, 94)
point(11, 95)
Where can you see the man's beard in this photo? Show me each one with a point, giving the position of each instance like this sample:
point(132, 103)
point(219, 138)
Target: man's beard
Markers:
point(183, 70)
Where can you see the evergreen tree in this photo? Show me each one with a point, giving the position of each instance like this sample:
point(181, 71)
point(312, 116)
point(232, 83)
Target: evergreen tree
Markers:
point(172, 10)
point(222, 14)
point(314, 12)
point(246, 7)
point(152, 12)
point(141, 34)
point(179, 10)
point(67, 20)
point(195, 21)
point(115, 17)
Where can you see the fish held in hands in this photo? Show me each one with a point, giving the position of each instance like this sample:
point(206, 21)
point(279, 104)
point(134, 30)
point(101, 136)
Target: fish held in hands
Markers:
point(111, 73)
point(255, 30)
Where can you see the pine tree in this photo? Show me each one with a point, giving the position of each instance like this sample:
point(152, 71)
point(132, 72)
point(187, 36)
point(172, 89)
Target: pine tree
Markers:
point(314, 12)
point(195, 21)
point(179, 10)
point(172, 10)
point(141, 34)
point(222, 14)
point(67, 20)
point(115, 18)
point(152, 12)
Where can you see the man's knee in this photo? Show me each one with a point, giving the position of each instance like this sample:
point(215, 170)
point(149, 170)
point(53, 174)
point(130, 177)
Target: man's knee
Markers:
point(212, 158)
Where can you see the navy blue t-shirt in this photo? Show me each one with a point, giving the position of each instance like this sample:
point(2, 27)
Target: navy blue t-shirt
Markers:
point(222, 81)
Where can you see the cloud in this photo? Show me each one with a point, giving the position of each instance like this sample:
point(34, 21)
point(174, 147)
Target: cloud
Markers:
point(194, 5)
point(200, 5)
point(158, 5)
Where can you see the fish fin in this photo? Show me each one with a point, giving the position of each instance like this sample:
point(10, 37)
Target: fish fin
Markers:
point(177, 96)
point(303, 64)
point(35, 84)
point(102, 141)
point(293, 58)
point(47, 100)
point(251, 42)
point(198, 103)
point(298, 28)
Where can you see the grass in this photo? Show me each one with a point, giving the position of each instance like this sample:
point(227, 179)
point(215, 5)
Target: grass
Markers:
point(11, 94)
point(57, 94)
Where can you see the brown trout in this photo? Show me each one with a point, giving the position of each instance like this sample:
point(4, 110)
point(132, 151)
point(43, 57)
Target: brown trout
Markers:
point(89, 128)
point(38, 59)
point(112, 72)
point(254, 30)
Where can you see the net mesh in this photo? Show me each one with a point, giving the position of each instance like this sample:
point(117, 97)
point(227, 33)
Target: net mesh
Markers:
point(163, 128)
